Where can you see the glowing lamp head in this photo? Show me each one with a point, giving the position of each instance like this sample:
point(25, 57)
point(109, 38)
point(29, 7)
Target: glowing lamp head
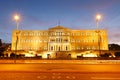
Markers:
point(16, 17)
point(98, 17)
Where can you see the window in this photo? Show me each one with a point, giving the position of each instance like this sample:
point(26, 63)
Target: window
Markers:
point(82, 48)
point(51, 48)
point(52, 40)
point(82, 33)
point(93, 47)
point(102, 33)
point(21, 48)
point(25, 34)
point(77, 40)
point(58, 39)
point(82, 40)
point(68, 33)
point(30, 48)
point(40, 40)
point(88, 47)
point(20, 33)
point(87, 41)
point(45, 40)
point(76, 34)
point(72, 40)
point(57, 33)
point(93, 34)
point(103, 47)
point(24, 40)
point(96, 34)
point(103, 40)
point(40, 34)
point(45, 33)
point(45, 48)
point(34, 48)
point(31, 34)
point(78, 47)
point(66, 40)
point(73, 48)
point(37, 34)
point(52, 34)
point(20, 40)
point(31, 40)
point(35, 40)
point(72, 34)
point(66, 48)
point(61, 33)
point(87, 34)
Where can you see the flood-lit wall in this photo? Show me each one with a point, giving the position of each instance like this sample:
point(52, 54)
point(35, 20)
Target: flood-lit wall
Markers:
point(59, 39)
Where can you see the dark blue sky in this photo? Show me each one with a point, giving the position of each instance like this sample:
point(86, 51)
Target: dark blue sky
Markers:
point(75, 14)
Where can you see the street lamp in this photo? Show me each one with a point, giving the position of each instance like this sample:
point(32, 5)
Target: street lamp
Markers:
point(17, 19)
point(98, 18)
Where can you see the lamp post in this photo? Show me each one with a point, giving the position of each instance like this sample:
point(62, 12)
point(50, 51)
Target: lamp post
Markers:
point(98, 18)
point(17, 19)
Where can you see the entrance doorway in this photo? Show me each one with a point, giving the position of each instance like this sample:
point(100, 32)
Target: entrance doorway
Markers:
point(48, 56)
point(69, 56)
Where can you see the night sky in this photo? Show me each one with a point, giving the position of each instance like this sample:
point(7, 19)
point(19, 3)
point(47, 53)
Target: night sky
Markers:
point(74, 14)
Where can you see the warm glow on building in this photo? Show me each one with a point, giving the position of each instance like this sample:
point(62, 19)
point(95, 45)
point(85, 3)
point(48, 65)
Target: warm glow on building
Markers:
point(59, 41)
point(90, 55)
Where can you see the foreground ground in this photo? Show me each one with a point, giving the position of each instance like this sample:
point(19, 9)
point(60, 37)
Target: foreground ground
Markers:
point(58, 76)
point(59, 71)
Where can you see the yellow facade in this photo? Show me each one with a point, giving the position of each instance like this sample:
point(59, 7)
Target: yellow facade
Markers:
point(59, 39)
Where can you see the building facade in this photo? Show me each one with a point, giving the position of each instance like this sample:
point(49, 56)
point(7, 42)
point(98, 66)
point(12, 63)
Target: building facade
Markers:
point(59, 40)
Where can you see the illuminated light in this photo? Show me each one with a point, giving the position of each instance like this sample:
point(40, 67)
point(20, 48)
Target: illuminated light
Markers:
point(45, 54)
point(73, 55)
point(79, 54)
point(16, 17)
point(114, 56)
point(39, 54)
point(29, 55)
point(90, 55)
point(98, 17)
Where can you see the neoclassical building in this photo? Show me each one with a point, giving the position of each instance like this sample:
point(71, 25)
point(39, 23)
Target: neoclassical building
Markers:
point(59, 42)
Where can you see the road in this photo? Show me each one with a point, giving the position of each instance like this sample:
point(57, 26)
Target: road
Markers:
point(58, 76)
point(59, 71)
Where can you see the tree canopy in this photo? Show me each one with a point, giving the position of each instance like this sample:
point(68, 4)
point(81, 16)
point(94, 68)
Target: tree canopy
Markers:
point(0, 42)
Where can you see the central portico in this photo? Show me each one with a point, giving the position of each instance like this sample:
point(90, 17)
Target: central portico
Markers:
point(59, 40)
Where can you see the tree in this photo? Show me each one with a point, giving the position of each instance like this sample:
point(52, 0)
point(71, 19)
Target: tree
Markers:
point(0, 42)
point(1, 51)
point(12, 55)
point(114, 47)
point(117, 54)
point(105, 55)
